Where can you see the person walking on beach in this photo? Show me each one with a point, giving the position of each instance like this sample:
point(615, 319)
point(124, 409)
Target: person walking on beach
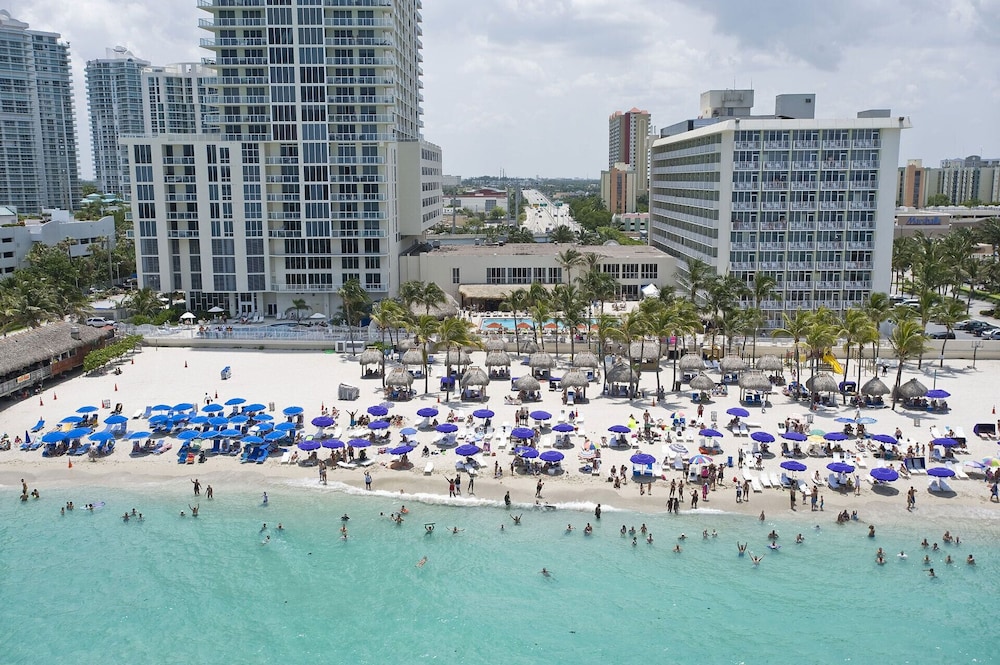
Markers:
point(538, 489)
point(994, 493)
point(791, 497)
point(451, 487)
point(472, 484)
point(694, 499)
point(368, 481)
point(197, 486)
point(265, 498)
point(597, 512)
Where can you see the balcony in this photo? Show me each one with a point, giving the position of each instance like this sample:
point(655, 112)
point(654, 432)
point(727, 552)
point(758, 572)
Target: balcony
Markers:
point(834, 165)
point(357, 138)
point(290, 216)
point(360, 80)
point(281, 160)
point(857, 285)
point(800, 245)
point(830, 245)
point(181, 197)
point(773, 226)
point(337, 159)
point(182, 216)
point(775, 185)
point(805, 166)
point(776, 166)
point(746, 145)
point(180, 178)
point(230, 3)
point(801, 226)
point(359, 41)
point(178, 160)
point(743, 205)
point(302, 288)
point(805, 145)
point(356, 178)
point(284, 197)
point(284, 233)
point(836, 144)
point(798, 285)
point(864, 164)
point(831, 205)
point(800, 265)
point(283, 178)
point(358, 233)
point(186, 233)
point(833, 184)
point(220, 42)
point(242, 101)
point(243, 80)
point(775, 205)
point(358, 197)
point(360, 99)
point(863, 205)
point(243, 138)
point(741, 266)
point(804, 184)
point(862, 245)
point(776, 145)
point(743, 246)
point(358, 22)
point(744, 226)
point(779, 246)
point(864, 184)
point(361, 62)
point(209, 24)
point(867, 143)
point(355, 118)
point(357, 3)
point(803, 205)
point(828, 265)
point(746, 166)
point(241, 119)
point(745, 185)
point(861, 226)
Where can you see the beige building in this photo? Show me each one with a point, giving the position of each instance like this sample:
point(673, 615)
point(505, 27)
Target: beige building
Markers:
point(628, 142)
point(962, 179)
point(619, 188)
point(485, 274)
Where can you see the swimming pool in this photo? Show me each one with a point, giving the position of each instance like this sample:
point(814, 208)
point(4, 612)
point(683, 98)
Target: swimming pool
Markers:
point(507, 323)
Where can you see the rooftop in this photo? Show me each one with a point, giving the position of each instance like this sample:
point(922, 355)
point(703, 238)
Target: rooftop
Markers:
point(551, 249)
point(27, 347)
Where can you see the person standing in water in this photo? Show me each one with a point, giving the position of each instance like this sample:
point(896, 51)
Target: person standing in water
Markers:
point(265, 498)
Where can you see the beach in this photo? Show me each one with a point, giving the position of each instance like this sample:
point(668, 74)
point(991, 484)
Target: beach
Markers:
point(310, 380)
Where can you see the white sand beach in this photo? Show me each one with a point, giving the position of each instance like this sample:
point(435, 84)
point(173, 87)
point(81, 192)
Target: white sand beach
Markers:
point(310, 379)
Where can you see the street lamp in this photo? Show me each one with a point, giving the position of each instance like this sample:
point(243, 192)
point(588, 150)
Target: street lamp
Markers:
point(976, 343)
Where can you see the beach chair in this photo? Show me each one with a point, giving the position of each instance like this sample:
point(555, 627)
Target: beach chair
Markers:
point(803, 487)
point(935, 433)
point(742, 430)
point(429, 468)
point(959, 471)
point(286, 457)
point(765, 480)
point(833, 482)
point(754, 483)
point(262, 455)
point(775, 480)
point(786, 482)
point(38, 426)
point(860, 461)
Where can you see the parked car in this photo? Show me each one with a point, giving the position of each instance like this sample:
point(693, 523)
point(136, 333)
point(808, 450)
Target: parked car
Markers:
point(941, 334)
point(99, 322)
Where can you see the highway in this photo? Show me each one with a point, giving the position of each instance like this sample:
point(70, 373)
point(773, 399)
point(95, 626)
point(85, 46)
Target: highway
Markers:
point(546, 216)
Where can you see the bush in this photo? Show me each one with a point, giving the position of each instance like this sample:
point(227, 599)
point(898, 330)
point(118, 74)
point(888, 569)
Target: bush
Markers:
point(986, 312)
point(100, 357)
point(140, 320)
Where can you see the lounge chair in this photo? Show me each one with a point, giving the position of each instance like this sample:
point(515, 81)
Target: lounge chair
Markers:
point(959, 471)
point(429, 468)
point(38, 426)
point(775, 480)
point(286, 457)
point(765, 480)
point(262, 455)
point(786, 482)
point(347, 465)
point(754, 483)
point(82, 450)
point(833, 482)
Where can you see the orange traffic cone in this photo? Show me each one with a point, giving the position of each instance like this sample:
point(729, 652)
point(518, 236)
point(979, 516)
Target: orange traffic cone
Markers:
point(133, 361)
point(116, 387)
point(70, 465)
point(54, 398)
point(439, 400)
point(40, 402)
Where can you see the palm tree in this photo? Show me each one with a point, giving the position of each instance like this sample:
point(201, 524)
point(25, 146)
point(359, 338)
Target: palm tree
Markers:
point(517, 300)
point(878, 308)
point(796, 327)
point(907, 340)
point(694, 277)
point(764, 287)
point(562, 234)
point(635, 325)
point(423, 329)
point(540, 313)
point(455, 333)
point(298, 305)
point(821, 335)
point(988, 232)
point(144, 302)
point(568, 303)
point(354, 298)
point(432, 296)
point(604, 325)
point(948, 313)
point(410, 293)
point(854, 327)
point(568, 259)
point(388, 315)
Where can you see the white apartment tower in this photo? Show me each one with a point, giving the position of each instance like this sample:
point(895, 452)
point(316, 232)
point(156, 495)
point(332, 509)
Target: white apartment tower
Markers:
point(628, 143)
point(180, 99)
point(114, 100)
point(317, 173)
point(808, 201)
point(38, 159)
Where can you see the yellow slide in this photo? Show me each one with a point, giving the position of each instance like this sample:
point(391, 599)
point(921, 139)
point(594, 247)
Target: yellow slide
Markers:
point(832, 362)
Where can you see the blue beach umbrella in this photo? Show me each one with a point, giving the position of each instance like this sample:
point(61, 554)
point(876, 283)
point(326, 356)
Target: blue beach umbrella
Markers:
point(183, 406)
point(71, 419)
point(230, 433)
point(292, 410)
point(253, 408)
point(884, 474)
point(333, 443)
point(264, 427)
point(885, 438)
point(940, 472)
point(253, 440)
point(359, 443)
point(642, 458)
point(322, 421)
point(189, 435)
point(262, 417)
point(378, 424)
point(136, 436)
point(235, 401)
point(101, 436)
point(523, 433)
point(794, 436)
point(408, 431)
point(78, 432)
point(700, 459)
point(527, 452)
point(739, 412)
point(840, 467)
point(53, 437)
point(115, 420)
point(793, 465)
point(540, 415)
point(213, 408)
point(710, 432)
point(239, 419)
point(483, 413)
point(619, 429)
point(564, 427)
point(218, 421)
point(158, 419)
point(309, 445)
point(551, 456)
point(427, 412)
point(468, 449)
point(178, 418)
point(285, 427)
point(401, 450)
point(198, 420)
point(447, 428)
point(90, 409)
point(937, 394)
point(945, 442)
point(762, 437)
point(161, 407)
point(835, 436)
point(275, 436)
point(378, 411)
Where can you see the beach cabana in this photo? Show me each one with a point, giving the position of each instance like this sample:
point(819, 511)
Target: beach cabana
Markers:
point(541, 364)
point(413, 357)
point(822, 383)
point(620, 374)
point(875, 388)
point(691, 362)
point(528, 384)
point(474, 377)
point(586, 359)
point(527, 346)
point(732, 364)
point(702, 383)
point(498, 359)
point(370, 357)
point(457, 357)
point(495, 344)
point(912, 389)
point(769, 364)
point(645, 351)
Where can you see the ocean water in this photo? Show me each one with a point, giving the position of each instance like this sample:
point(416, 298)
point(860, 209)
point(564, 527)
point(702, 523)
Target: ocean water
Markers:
point(86, 587)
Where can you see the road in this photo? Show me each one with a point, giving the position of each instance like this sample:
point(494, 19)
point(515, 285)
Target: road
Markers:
point(543, 216)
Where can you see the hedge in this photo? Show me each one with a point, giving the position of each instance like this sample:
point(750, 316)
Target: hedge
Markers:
point(100, 357)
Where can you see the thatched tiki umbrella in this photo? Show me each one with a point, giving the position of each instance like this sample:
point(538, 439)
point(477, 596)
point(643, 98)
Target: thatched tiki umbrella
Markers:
point(457, 357)
point(622, 373)
point(755, 380)
point(399, 378)
point(370, 357)
point(702, 383)
point(575, 378)
point(875, 388)
point(732, 364)
point(413, 357)
point(497, 359)
point(586, 359)
point(769, 364)
point(528, 384)
point(541, 360)
point(691, 362)
point(527, 346)
point(496, 344)
point(822, 383)
point(475, 376)
point(404, 344)
point(911, 389)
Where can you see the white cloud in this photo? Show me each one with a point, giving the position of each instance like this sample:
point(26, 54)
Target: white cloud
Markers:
point(527, 85)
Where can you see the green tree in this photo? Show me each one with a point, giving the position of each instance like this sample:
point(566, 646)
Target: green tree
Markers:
point(570, 259)
point(878, 308)
point(562, 234)
point(569, 305)
point(517, 300)
point(144, 302)
point(424, 328)
point(453, 334)
point(938, 200)
point(765, 287)
point(907, 341)
point(855, 327)
point(299, 305)
point(354, 298)
point(796, 327)
point(948, 313)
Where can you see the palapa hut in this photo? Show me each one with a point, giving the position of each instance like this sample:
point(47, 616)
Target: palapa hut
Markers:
point(769, 364)
point(691, 362)
point(732, 364)
point(474, 377)
point(822, 383)
point(371, 356)
point(875, 388)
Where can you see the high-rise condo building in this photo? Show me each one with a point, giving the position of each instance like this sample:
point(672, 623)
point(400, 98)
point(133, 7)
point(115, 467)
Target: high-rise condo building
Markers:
point(114, 100)
point(38, 160)
point(807, 201)
point(628, 143)
point(317, 175)
point(180, 99)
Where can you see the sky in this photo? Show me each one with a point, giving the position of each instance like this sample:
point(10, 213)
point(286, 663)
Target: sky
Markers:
point(526, 86)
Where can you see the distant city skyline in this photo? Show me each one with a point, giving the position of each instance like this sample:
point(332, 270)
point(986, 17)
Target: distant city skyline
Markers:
point(527, 87)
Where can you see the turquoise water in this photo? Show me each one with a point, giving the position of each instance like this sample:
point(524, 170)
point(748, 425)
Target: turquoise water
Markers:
point(88, 588)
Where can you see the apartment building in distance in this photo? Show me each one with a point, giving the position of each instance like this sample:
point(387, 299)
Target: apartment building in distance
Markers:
point(961, 179)
point(628, 143)
point(311, 170)
point(619, 186)
point(38, 152)
point(809, 201)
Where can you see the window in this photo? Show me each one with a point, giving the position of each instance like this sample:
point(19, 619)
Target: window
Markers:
point(456, 275)
point(630, 271)
point(649, 271)
point(496, 275)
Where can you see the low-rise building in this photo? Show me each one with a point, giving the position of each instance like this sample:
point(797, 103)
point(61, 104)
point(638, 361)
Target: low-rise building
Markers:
point(56, 225)
point(481, 200)
point(30, 357)
point(483, 275)
point(941, 220)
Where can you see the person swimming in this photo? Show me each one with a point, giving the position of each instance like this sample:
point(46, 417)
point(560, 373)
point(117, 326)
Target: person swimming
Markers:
point(970, 560)
point(266, 541)
point(420, 564)
point(345, 517)
point(902, 554)
point(569, 527)
point(930, 573)
point(948, 559)
point(343, 532)
point(799, 539)
point(677, 548)
point(741, 548)
point(455, 529)
point(587, 530)
point(516, 518)
point(545, 572)
point(649, 538)
point(756, 559)
point(624, 530)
